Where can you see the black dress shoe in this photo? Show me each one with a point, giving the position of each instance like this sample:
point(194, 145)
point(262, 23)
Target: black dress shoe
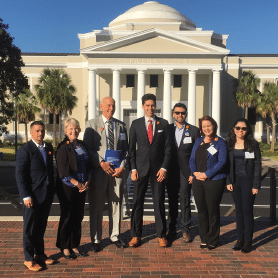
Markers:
point(69, 257)
point(119, 244)
point(203, 246)
point(247, 248)
point(211, 247)
point(171, 234)
point(95, 247)
point(238, 246)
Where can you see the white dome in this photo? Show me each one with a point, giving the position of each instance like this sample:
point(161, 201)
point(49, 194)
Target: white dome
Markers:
point(154, 11)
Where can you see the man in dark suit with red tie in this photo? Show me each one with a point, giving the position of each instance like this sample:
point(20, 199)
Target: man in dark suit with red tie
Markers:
point(35, 181)
point(183, 137)
point(149, 150)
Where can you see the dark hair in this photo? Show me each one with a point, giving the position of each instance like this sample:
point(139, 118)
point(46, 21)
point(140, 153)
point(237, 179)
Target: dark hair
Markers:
point(180, 105)
point(148, 97)
point(249, 140)
point(37, 123)
point(213, 122)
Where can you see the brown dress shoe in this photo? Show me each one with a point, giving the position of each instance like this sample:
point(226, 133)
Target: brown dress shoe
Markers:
point(43, 259)
point(163, 242)
point(186, 237)
point(32, 265)
point(135, 242)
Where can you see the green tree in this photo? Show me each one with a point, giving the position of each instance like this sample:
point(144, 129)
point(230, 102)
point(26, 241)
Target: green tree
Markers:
point(27, 109)
point(12, 80)
point(56, 94)
point(246, 92)
point(268, 107)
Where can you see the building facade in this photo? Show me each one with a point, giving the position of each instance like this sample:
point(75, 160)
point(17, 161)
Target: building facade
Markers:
point(152, 48)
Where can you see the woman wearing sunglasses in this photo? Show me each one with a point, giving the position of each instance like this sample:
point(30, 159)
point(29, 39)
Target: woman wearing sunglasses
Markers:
point(243, 179)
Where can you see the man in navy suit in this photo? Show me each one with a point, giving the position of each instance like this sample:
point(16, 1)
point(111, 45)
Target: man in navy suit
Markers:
point(183, 137)
point(149, 150)
point(34, 176)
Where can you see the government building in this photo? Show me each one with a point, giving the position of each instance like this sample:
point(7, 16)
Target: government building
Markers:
point(152, 48)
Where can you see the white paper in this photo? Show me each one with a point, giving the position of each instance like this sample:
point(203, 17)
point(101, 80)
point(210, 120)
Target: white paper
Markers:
point(187, 140)
point(249, 155)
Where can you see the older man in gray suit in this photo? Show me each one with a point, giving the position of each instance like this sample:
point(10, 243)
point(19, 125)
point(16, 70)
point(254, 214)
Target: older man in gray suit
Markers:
point(101, 134)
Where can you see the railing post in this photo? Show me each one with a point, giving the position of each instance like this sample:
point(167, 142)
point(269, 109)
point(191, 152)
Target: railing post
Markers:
point(272, 194)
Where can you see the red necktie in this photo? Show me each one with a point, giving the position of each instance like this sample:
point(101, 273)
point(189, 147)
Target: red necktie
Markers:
point(150, 131)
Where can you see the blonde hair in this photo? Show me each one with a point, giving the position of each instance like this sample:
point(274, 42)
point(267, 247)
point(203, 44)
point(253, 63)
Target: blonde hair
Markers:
point(72, 121)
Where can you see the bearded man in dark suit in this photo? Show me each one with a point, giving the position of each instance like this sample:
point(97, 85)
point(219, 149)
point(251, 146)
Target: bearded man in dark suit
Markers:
point(35, 181)
point(183, 136)
point(149, 150)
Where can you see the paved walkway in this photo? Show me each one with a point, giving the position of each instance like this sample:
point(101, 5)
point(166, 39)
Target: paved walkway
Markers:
point(179, 260)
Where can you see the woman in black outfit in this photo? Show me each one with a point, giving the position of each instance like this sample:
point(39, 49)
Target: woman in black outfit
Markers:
point(244, 179)
point(73, 165)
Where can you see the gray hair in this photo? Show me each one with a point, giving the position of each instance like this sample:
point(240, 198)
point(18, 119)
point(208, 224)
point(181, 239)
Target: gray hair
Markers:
point(72, 121)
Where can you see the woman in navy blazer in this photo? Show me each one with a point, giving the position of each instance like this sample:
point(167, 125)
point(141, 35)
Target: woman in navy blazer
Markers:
point(243, 179)
point(207, 164)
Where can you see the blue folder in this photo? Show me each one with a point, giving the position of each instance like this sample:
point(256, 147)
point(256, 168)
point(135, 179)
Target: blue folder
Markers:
point(114, 157)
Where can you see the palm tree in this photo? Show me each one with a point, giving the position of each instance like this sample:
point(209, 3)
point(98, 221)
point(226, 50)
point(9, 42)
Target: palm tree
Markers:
point(268, 107)
point(246, 93)
point(55, 93)
point(27, 109)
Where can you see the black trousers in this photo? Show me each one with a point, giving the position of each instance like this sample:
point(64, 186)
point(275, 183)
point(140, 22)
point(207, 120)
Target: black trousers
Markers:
point(208, 195)
point(72, 212)
point(179, 183)
point(244, 202)
point(35, 221)
point(158, 193)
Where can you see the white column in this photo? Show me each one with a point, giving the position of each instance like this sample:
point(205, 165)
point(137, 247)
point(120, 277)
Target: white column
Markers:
point(216, 98)
point(140, 92)
point(210, 94)
point(92, 94)
point(191, 97)
point(167, 96)
point(117, 92)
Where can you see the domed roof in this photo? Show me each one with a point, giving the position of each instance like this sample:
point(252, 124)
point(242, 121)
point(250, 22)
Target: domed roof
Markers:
point(153, 11)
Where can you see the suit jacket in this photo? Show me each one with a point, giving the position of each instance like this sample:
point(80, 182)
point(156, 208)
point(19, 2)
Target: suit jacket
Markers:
point(216, 164)
point(66, 160)
point(145, 156)
point(95, 140)
point(181, 154)
point(33, 177)
point(253, 168)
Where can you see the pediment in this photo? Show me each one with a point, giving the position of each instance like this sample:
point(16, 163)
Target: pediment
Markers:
point(154, 41)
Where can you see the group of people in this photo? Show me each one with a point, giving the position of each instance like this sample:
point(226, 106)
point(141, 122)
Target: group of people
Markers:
point(178, 156)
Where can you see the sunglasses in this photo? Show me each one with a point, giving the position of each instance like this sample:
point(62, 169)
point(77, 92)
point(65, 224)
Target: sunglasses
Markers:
point(177, 113)
point(239, 128)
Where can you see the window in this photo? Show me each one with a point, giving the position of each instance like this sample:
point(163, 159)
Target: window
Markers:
point(153, 81)
point(130, 80)
point(51, 119)
point(177, 81)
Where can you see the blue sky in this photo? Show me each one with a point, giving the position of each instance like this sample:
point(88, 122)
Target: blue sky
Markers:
point(52, 25)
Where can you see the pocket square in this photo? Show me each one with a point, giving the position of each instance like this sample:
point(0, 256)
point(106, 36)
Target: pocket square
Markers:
point(160, 131)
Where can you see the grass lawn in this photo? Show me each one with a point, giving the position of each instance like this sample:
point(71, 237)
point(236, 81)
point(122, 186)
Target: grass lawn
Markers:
point(8, 153)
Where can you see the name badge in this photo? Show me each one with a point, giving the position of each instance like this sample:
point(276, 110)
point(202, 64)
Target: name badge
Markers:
point(187, 140)
point(249, 155)
point(79, 151)
point(122, 136)
point(212, 150)
point(186, 133)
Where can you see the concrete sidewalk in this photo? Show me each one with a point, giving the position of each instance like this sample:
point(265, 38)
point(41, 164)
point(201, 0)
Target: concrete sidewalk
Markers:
point(149, 260)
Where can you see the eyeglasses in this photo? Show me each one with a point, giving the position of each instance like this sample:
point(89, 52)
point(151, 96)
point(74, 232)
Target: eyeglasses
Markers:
point(239, 128)
point(177, 113)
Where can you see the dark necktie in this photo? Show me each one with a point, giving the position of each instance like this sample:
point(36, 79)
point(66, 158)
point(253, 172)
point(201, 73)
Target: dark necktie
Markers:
point(110, 136)
point(150, 131)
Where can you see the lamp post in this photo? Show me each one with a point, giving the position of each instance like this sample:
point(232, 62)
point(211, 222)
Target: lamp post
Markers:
point(15, 122)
